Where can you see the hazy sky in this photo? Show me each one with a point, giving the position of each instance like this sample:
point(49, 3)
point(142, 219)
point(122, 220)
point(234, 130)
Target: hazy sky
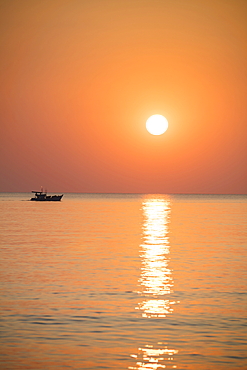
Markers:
point(80, 78)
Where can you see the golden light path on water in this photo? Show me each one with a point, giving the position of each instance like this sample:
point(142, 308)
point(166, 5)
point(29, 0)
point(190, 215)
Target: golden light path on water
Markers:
point(155, 279)
point(156, 276)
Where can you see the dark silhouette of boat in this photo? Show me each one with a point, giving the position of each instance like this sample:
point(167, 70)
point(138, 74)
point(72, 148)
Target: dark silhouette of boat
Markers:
point(43, 197)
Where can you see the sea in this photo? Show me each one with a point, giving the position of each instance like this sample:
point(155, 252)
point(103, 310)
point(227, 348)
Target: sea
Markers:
point(123, 281)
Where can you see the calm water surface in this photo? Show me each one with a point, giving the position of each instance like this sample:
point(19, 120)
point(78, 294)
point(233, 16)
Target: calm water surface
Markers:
point(123, 282)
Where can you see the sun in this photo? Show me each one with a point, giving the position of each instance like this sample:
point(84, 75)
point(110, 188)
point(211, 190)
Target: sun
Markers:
point(157, 124)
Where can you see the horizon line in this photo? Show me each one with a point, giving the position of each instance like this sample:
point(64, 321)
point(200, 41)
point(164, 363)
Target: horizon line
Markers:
point(129, 193)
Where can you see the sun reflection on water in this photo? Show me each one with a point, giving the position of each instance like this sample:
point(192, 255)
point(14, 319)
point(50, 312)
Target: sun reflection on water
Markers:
point(150, 357)
point(155, 281)
point(156, 276)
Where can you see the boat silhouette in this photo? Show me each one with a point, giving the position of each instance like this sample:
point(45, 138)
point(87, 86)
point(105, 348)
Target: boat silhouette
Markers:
point(43, 197)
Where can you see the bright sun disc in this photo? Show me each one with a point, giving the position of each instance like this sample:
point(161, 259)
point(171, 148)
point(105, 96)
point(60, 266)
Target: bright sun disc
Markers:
point(157, 124)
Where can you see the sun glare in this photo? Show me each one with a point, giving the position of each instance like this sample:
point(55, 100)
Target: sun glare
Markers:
point(157, 124)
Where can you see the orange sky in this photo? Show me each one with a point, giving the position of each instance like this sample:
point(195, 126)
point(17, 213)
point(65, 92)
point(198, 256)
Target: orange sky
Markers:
point(80, 78)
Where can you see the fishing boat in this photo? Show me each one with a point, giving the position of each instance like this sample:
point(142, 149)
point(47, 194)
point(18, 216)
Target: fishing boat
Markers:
point(41, 196)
